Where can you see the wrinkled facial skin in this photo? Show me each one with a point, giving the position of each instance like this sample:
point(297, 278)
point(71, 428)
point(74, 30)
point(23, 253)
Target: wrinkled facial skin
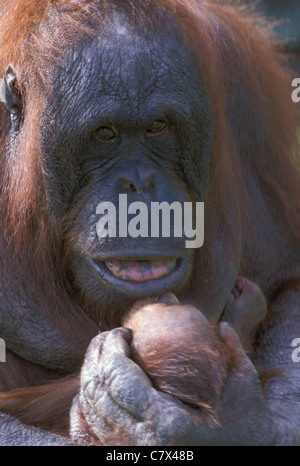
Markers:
point(99, 139)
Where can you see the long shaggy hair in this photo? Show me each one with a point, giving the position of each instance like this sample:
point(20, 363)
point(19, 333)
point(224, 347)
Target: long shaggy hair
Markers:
point(245, 82)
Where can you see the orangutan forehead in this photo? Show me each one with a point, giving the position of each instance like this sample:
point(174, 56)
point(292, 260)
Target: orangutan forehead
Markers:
point(124, 30)
point(128, 59)
point(127, 67)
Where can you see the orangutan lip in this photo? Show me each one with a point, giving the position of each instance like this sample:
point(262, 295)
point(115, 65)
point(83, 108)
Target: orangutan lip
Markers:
point(140, 277)
point(141, 270)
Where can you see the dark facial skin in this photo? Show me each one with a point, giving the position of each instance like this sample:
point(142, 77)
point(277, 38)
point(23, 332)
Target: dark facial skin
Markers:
point(123, 133)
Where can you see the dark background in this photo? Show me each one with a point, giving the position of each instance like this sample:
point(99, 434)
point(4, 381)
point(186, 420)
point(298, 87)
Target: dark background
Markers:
point(288, 12)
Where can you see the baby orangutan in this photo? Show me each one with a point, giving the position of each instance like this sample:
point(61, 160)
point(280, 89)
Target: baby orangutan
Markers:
point(182, 353)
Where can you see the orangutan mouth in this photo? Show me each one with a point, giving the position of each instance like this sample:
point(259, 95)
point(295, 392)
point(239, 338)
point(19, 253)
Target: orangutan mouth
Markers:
point(143, 276)
point(141, 270)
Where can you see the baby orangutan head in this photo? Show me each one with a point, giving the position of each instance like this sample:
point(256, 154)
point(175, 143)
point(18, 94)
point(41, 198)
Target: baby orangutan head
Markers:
point(180, 351)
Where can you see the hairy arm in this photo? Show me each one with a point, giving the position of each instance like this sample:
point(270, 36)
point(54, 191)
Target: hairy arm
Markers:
point(15, 433)
point(117, 401)
point(281, 373)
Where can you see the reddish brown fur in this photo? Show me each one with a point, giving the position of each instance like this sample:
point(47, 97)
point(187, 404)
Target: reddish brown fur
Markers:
point(21, 176)
point(181, 352)
point(183, 355)
point(45, 406)
point(26, 239)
